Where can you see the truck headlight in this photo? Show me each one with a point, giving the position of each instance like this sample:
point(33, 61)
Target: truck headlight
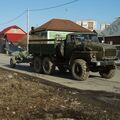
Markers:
point(93, 56)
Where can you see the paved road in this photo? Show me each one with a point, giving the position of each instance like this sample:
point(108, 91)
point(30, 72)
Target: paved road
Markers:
point(95, 82)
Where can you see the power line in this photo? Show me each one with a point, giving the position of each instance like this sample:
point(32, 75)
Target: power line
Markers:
point(42, 9)
point(53, 7)
point(20, 15)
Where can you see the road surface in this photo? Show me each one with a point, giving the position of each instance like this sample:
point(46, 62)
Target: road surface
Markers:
point(95, 82)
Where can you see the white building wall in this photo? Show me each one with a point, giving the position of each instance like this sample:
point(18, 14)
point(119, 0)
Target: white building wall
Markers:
point(55, 34)
point(104, 26)
point(88, 24)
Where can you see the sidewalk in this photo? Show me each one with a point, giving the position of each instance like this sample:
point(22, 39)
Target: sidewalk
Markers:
point(4, 59)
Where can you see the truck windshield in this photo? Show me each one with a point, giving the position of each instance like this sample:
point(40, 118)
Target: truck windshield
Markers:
point(87, 37)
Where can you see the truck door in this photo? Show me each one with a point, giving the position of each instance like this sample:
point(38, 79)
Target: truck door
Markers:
point(69, 46)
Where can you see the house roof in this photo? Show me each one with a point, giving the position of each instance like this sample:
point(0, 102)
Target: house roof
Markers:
point(61, 25)
point(13, 34)
point(112, 30)
point(12, 29)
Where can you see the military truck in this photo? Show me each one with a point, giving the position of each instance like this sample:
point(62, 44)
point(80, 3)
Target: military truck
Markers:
point(79, 53)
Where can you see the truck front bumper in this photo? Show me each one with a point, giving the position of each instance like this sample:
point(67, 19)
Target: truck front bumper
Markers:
point(117, 62)
point(106, 63)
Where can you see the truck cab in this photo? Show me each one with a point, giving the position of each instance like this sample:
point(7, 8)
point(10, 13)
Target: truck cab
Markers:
point(76, 42)
point(83, 50)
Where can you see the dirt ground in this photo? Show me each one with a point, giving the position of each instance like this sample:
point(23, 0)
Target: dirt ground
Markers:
point(27, 98)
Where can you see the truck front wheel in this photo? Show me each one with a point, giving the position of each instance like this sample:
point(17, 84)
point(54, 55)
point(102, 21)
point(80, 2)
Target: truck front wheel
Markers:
point(37, 65)
point(79, 70)
point(107, 73)
point(48, 66)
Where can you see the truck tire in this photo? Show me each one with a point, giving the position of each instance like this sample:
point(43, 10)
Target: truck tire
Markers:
point(107, 73)
point(48, 66)
point(12, 63)
point(79, 70)
point(37, 65)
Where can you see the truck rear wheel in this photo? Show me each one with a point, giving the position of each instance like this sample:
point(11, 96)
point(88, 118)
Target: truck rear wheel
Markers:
point(79, 70)
point(48, 66)
point(37, 65)
point(107, 73)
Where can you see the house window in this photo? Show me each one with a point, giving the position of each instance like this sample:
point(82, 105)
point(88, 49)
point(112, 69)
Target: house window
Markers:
point(42, 35)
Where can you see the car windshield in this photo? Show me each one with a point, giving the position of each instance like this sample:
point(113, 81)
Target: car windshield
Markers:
point(87, 37)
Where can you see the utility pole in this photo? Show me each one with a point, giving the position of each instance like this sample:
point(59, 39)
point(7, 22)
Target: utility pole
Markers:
point(27, 29)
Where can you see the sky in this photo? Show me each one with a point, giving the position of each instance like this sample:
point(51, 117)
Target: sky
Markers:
point(103, 11)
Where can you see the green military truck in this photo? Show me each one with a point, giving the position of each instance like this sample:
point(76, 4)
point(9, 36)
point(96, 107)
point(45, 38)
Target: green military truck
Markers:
point(79, 53)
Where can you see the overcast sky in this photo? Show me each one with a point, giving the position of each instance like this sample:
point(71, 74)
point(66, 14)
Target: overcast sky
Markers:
point(103, 11)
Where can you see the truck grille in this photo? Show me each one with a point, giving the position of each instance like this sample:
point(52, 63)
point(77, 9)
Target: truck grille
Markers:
point(110, 52)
